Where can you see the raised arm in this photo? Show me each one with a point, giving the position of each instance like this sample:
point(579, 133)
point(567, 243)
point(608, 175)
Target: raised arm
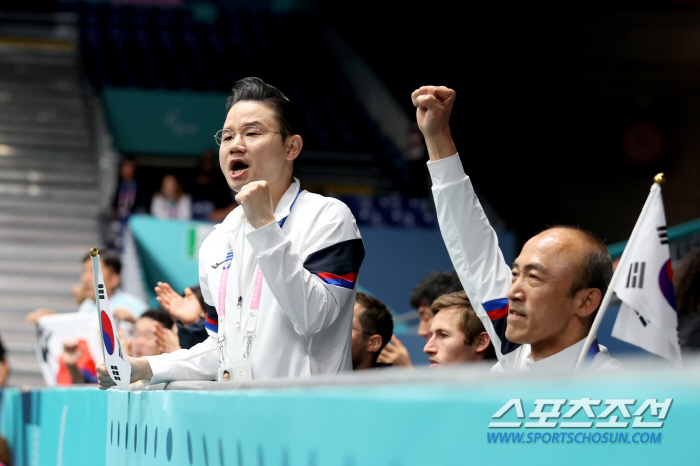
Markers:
point(470, 240)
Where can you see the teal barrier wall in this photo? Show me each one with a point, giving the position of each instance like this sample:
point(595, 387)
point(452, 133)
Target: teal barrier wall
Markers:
point(383, 425)
point(55, 426)
point(178, 123)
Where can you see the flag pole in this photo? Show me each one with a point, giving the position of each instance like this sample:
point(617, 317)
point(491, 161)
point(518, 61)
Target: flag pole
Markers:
point(95, 253)
point(593, 333)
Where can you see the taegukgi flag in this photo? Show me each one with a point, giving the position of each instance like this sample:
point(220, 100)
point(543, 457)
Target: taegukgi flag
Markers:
point(116, 361)
point(647, 317)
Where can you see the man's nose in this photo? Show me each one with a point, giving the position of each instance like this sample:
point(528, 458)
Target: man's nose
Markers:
point(424, 330)
point(515, 292)
point(429, 347)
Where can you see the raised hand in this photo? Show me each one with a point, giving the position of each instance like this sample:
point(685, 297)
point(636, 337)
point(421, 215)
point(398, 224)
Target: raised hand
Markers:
point(185, 309)
point(256, 201)
point(168, 340)
point(433, 108)
point(395, 353)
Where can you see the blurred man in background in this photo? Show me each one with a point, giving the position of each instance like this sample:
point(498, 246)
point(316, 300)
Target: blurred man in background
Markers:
point(372, 327)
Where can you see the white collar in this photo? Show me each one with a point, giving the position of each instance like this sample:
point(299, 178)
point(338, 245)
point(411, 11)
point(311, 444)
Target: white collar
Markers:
point(564, 359)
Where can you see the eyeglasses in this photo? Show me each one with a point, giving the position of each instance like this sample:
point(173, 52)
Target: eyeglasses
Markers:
point(360, 330)
point(249, 134)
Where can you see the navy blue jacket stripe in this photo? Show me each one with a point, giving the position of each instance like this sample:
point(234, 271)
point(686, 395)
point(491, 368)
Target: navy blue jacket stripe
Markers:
point(339, 259)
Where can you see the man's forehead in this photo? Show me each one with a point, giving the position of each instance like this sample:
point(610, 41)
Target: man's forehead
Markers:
point(447, 318)
point(549, 249)
point(358, 309)
point(248, 112)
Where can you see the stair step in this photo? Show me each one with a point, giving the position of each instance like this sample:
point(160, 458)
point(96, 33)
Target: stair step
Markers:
point(32, 130)
point(40, 270)
point(47, 238)
point(58, 252)
point(25, 304)
point(18, 284)
point(19, 337)
point(51, 223)
point(67, 210)
point(47, 178)
point(19, 153)
point(62, 141)
point(34, 191)
point(59, 87)
point(49, 165)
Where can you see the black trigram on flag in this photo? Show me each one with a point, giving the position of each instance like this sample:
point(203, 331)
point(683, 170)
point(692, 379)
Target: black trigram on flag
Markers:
point(101, 291)
point(635, 277)
point(663, 236)
point(115, 373)
point(641, 319)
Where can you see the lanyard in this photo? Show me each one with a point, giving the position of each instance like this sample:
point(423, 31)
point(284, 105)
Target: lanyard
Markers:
point(255, 298)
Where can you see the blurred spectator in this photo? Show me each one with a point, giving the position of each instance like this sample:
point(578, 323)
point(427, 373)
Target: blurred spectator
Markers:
point(171, 201)
point(212, 197)
point(4, 366)
point(76, 365)
point(372, 327)
point(144, 341)
point(128, 199)
point(432, 286)
point(687, 290)
point(456, 333)
point(125, 306)
point(189, 313)
point(5, 457)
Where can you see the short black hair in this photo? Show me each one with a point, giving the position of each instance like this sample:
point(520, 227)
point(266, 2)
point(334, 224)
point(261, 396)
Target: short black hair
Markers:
point(434, 285)
point(159, 315)
point(109, 260)
point(376, 320)
point(290, 116)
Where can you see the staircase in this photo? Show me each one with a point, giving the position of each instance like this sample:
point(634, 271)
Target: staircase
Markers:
point(48, 179)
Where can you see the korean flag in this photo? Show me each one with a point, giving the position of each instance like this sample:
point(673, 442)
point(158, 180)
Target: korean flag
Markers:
point(115, 360)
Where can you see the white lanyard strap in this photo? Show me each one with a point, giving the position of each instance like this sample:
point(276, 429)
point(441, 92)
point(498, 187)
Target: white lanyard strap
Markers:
point(221, 311)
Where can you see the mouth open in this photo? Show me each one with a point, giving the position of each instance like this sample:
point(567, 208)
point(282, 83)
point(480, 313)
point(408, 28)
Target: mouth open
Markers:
point(237, 168)
point(513, 312)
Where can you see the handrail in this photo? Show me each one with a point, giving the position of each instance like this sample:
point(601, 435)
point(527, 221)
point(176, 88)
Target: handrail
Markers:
point(675, 233)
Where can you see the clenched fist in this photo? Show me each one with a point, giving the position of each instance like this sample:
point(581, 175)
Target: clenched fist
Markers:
point(256, 201)
point(433, 108)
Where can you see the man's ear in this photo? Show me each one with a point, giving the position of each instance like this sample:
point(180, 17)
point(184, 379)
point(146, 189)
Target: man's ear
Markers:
point(482, 342)
point(374, 343)
point(293, 144)
point(587, 301)
point(114, 280)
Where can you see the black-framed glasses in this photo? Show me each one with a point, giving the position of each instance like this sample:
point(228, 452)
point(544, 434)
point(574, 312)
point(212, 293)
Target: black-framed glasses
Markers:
point(249, 134)
point(360, 330)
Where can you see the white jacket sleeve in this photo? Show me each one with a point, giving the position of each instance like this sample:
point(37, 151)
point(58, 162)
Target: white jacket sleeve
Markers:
point(473, 248)
point(197, 363)
point(312, 281)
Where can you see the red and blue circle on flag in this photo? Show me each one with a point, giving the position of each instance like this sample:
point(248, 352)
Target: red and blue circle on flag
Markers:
point(107, 333)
